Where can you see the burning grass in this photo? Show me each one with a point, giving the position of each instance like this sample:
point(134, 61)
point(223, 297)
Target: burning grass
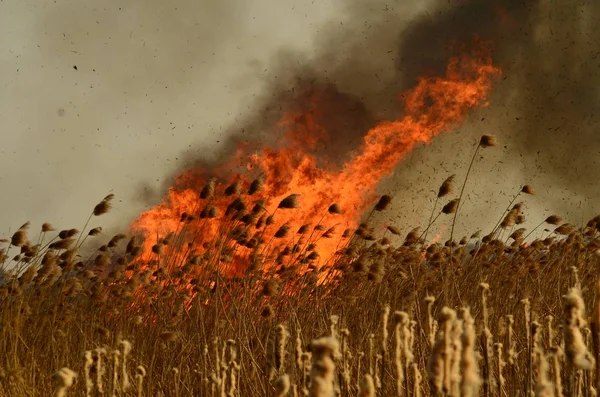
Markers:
point(371, 319)
point(293, 188)
point(277, 281)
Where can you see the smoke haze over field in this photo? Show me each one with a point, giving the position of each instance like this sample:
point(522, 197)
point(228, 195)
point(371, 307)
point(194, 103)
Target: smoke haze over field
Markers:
point(152, 78)
point(163, 85)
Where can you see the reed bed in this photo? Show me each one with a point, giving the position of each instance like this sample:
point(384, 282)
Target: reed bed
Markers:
point(387, 315)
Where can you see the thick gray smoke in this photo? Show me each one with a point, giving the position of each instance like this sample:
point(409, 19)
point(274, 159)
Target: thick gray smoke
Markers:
point(550, 54)
point(542, 110)
point(157, 66)
point(153, 77)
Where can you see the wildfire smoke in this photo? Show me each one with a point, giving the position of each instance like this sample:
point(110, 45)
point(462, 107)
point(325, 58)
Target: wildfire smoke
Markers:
point(434, 106)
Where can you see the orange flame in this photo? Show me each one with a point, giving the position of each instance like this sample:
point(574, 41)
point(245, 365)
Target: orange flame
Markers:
point(433, 106)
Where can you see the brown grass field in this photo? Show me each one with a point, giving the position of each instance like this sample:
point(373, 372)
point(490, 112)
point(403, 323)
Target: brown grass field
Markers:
point(386, 315)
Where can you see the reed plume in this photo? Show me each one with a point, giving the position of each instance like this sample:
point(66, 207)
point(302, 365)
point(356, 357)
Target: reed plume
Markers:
point(64, 378)
point(383, 203)
point(282, 386)
point(367, 386)
point(322, 373)
point(577, 353)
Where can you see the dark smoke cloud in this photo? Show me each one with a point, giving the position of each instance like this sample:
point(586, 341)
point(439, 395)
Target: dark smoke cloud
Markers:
point(550, 55)
point(543, 108)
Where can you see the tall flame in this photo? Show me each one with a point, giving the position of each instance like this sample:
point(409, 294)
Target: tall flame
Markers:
point(435, 105)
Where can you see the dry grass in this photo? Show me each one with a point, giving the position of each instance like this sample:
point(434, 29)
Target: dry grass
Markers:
point(375, 322)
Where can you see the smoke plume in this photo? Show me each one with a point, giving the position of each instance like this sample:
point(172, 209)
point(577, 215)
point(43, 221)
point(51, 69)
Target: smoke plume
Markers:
point(361, 56)
point(542, 110)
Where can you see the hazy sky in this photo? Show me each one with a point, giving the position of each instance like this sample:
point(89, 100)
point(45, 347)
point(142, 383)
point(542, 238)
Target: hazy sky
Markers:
point(156, 79)
point(152, 78)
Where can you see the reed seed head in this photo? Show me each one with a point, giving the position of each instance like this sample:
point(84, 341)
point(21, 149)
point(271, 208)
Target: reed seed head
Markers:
point(282, 231)
point(46, 227)
point(232, 189)
point(157, 248)
point(553, 220)
point(394, 230)
point(528, 189)
point(446, 187)
point(64, 379)
point(367, 386)
point(451, 207)
point(267, 312)
point(103, 206)
point(289, 202)
point(487, 141)
point(282, 385)
point(303, 229)
point(95, 231)
point(19, 238)
point(565, 229)
point(383, 202)
point(64, 244)
point(335, 209)
point(255, 186)
point(212, 212)
point(208, 190)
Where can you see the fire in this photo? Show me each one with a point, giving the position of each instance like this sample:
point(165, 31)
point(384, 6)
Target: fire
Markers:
point(435, 105)
point(438, 235)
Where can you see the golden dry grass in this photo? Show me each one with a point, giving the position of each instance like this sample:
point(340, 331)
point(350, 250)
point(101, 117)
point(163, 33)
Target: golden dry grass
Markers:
point(376, 321)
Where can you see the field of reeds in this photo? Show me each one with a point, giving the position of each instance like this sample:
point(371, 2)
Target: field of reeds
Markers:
point(493, 314)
